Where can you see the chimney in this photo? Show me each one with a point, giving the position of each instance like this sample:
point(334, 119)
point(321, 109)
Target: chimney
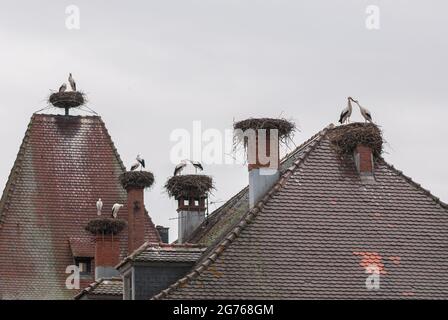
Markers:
point(136, 218)
point(190, 214)
point(107, 245)
point(261, 139)
point(135, 182)
point(163, 233)
point(107, 256)
point(191, 193)
point(364, 162)
point(262, 176)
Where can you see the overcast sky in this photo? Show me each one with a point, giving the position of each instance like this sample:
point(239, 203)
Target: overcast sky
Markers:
point(150, 67)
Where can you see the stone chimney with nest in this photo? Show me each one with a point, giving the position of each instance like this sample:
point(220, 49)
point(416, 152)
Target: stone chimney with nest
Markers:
point(107, 245)
point(191, 193)
point(361, 142)
point(135, 182)
point(261, 138)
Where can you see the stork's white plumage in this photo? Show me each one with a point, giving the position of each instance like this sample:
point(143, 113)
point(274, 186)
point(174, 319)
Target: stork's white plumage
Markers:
point(135, 166)
point(197, 165)
point(72, 82)
point(115, 208)
point(99, 206)
point(141, 161)
point(347, 112)
point(178, 169)
point(365, 113)
point(63, 87)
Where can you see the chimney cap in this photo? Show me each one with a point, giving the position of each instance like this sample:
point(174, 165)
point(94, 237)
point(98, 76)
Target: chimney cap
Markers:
point(136, 179)
point(346, 138)
point(189, 185)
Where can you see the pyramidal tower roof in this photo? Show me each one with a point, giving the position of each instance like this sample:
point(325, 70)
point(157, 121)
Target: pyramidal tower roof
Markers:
point(65, 163)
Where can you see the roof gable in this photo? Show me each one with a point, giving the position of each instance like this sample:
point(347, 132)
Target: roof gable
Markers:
point(316, 231)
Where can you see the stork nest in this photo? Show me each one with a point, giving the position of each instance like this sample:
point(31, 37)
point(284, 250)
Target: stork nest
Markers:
point(347, 137)
point(68, 99)
point(106, 226)
point(189, 185)
point(136, 179)
point(285, 128)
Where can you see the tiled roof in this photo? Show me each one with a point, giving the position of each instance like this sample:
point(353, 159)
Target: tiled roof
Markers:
point(82, 247)
point(220, 221)
point(319, 228)
point(63, 166)
point(103, 287)
point(162, 252)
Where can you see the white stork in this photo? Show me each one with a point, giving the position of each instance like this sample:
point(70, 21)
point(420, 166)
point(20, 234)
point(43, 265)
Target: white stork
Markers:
point(99, 206)
point(197, 165)
point(140, 160)
point(178, 169)
point(72, 82)
point(347, 112)
point(63, 87)
point(364, 112)
point(135, 166)
point(115, 208)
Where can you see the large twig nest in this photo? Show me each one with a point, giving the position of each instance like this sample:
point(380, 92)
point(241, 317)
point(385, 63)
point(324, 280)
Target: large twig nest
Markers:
point(189, 185)
point(347, 137)
point(106, 226)
point(136, 179)
point(68, 99)
point(285, 129)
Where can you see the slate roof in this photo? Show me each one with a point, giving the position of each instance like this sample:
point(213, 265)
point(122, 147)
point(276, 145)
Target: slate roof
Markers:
point(318, 229)
point(101, 288)
point(162, 252)
point(63, 166)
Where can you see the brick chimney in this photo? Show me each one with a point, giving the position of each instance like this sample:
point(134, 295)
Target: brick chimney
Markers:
point(191, 213)
point(136, 218)
point(134, 182)
point(364, 162)
point(263, 164)
point(107, 244)
point(107, 255)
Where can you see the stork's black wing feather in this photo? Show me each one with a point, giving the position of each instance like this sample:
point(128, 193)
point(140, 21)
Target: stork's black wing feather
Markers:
point(343, 114)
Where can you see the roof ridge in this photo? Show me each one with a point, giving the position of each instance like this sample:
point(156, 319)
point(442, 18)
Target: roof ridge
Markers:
point(211, 216)
point(219, 248)
point(112, 144)
point(8, 191)
point(416, 184)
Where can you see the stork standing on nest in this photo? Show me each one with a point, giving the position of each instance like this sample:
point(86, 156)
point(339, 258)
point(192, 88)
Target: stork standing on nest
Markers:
point(72, 82)
point(197, 165)
point(99, 206)
point(365, 113)
point(115, 208)
point(347, 112)
point(63, 87)
point(181, 166)
point(140, 163)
